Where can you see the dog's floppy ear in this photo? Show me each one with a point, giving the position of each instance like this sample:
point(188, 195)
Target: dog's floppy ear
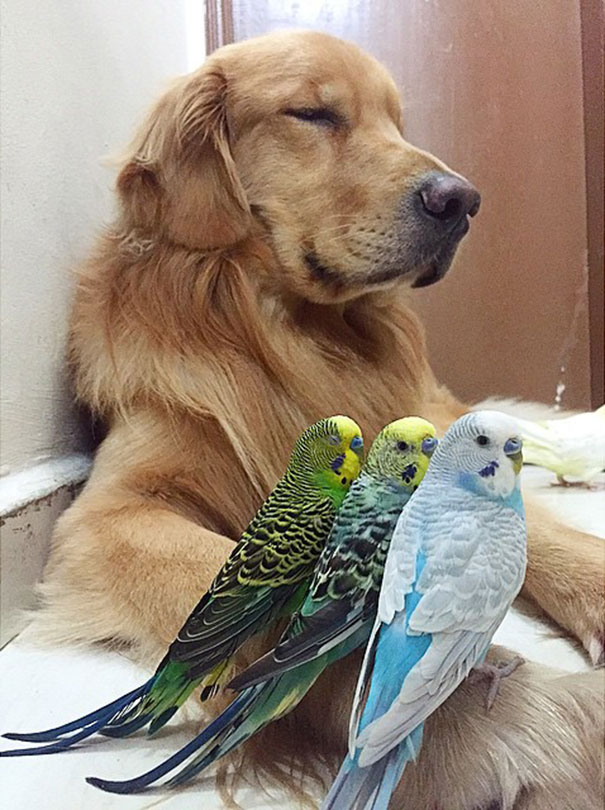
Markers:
point(180, 179)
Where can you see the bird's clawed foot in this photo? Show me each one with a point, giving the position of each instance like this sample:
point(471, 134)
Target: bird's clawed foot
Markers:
point(592, 486)
point(495, 673)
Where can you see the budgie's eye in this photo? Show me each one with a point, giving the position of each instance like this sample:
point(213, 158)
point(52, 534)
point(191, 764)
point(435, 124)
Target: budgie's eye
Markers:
point(482, 440)
point(403, 446)
point(333, 440)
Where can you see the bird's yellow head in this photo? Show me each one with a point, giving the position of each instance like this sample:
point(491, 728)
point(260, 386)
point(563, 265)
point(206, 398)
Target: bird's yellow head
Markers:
point(401, 452)
point(331, 451)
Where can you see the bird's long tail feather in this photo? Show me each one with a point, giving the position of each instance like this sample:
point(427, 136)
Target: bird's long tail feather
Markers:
point(249, 712)
point(217, 739)
point(371, 787)
point(367, 788)
point(151, 704)
point(63, 737)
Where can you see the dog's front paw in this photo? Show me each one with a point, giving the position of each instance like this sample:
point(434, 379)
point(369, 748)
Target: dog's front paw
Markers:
point(566, 578)
point(587, 598)
point(592, 633)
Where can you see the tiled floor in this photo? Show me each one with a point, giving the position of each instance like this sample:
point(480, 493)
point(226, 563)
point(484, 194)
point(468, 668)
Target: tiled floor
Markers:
point(42, 688)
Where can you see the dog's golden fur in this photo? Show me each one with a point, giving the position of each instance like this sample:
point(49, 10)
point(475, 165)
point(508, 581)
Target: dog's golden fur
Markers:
point(206, 342)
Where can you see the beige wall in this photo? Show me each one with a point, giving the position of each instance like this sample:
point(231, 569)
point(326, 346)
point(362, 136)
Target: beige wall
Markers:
point(495, 89)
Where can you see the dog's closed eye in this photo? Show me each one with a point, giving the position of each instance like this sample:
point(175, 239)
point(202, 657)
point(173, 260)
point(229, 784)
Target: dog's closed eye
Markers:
point(320, 116)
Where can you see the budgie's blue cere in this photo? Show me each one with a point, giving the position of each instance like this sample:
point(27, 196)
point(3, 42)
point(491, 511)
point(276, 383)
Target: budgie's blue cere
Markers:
point(456, 562)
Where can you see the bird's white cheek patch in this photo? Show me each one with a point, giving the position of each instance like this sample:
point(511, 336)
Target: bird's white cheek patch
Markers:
point(505, 478)
point(502, 482)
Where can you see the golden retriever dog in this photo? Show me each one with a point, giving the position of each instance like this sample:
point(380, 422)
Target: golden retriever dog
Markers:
point(273, 223)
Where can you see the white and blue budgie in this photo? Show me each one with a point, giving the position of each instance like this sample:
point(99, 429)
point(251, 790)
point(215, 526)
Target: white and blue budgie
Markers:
point(456, 562)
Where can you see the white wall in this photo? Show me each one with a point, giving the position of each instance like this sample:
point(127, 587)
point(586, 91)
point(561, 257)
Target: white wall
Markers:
point(76, 75)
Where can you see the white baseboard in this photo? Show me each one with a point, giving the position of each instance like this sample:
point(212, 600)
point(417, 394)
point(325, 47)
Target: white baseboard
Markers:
point(30, 503)
point(21, 488)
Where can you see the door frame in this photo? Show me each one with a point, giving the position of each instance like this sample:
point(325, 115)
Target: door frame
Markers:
point(219, 24)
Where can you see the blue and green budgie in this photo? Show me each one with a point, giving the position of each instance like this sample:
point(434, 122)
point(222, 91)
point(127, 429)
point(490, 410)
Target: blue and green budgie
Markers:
point(337, 615)
point(456, 562)
point(266, 577)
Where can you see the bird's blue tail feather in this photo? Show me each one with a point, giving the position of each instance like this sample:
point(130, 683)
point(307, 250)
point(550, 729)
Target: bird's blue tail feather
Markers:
point(126, 727)
point(208, 739)
point(367, 788)
point(371, 787)
point(62, 738)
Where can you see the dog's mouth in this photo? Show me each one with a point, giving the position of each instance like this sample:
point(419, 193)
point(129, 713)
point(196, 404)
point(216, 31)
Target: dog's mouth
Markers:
point(425, 269)
point(321, 271)
point(441, 262)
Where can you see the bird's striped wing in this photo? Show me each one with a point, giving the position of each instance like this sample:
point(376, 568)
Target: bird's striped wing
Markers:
point(400, 568)
point(465, 588)
point(363, 685)
point(333, 624)
point(343, 596)
point(447, 661)
point(398, 580)
point(266, 575)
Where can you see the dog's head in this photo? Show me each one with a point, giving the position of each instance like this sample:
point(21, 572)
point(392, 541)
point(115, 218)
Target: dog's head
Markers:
point(296, 138)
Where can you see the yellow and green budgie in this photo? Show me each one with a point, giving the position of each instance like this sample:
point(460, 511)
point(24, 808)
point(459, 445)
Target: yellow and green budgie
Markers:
point(266, 577)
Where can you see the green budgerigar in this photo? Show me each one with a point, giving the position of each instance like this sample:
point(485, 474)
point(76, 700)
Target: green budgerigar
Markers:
point(266, 577)
point(337, 614)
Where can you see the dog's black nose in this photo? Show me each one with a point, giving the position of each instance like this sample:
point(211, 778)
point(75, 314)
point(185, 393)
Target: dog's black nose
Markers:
point(448, 198)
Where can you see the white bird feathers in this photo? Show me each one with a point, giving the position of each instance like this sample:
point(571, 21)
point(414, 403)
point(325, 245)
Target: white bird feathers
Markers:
point(572, 447)
point(456, 562)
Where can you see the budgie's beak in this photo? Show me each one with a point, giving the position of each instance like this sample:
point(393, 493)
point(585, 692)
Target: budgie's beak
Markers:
point(351, 464)
point(513, 449)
